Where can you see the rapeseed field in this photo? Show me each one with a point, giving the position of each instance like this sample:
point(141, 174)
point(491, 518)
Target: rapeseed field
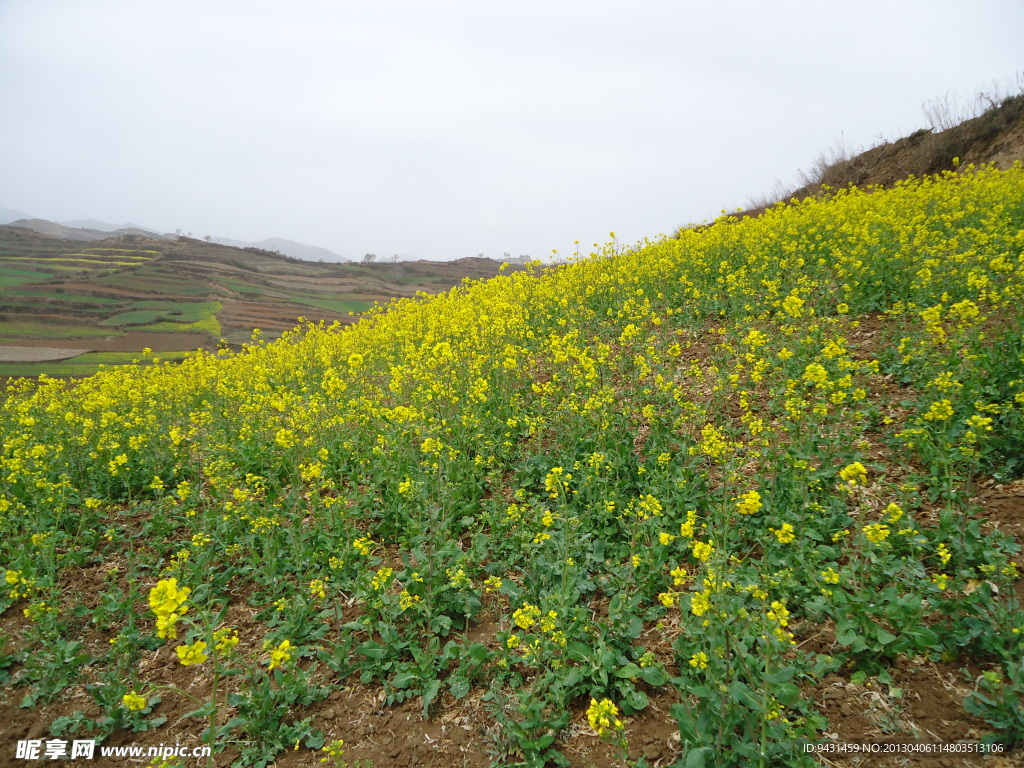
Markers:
point(655, 473)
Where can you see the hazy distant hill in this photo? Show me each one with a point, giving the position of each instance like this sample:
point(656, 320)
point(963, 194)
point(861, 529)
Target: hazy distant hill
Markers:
point(93, 229)
point(103, 226)
point(64, 232)
point(7, 215)
point(285, 248)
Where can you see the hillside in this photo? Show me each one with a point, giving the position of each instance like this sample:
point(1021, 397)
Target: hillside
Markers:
point(699, 503)
point(123, 294)
point(995, 137)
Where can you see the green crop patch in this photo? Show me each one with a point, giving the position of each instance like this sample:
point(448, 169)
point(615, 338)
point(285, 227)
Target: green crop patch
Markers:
point(342, 306)
point(162, 313)
point(15, 329)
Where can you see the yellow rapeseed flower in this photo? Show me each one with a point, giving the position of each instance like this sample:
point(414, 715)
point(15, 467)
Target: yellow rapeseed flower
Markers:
point(603, 716)
point(281, 655)
point(133, 702)
point(876, 532)
point(192, 654)
point(784, 534)
point(749, 503)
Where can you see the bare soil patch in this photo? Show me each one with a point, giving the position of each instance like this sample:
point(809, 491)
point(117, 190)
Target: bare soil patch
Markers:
point(26, 354)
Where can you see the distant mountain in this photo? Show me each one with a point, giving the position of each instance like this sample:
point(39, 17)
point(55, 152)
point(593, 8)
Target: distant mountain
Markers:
point(92, 229)
point(285, 248)
point(64, 232)
point(102, 226)
point(7, 215)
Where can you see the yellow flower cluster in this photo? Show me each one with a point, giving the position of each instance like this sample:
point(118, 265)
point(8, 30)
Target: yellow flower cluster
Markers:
point(192, 654)
point(699, 660)
point(876, 533)
point(603, 716)
point(785, 534)
point(133, 702)
point(225, 639)
point(854, 474)
point(526, 616)
point(749, 503)
point(167, 601)
point(280, 655)
point(941, 410)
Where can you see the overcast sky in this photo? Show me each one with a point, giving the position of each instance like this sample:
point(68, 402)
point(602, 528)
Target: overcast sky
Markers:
point(440, 129)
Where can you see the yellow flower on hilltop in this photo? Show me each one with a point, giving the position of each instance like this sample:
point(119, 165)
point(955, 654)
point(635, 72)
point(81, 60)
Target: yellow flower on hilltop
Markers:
point(854, 474)
point(167, 597)
point(700, 603)
point(381, 579)
point(784, 534)
point(941, 410)
point(281, 655)
point(703, 550)
point(192, 654)
point(526, 616)
point(603, 716)
point(876, 532)
point(133, 702)
point(225, 639)
point(749, 503)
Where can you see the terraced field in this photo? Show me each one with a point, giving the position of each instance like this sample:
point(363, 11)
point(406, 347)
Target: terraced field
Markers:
point(130, 293)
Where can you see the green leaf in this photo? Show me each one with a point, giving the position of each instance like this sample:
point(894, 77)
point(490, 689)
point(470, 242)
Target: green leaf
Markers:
point(786, 694)
point(846, 632)
point(459, 687)
point(696, 758)
point(780, 675)
point(631, 671)
point(884, 636)
point(430, 691)
point(636, 700)
point(741, 694)
point(371, 650)
point(654, 676)
point(404, 679)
